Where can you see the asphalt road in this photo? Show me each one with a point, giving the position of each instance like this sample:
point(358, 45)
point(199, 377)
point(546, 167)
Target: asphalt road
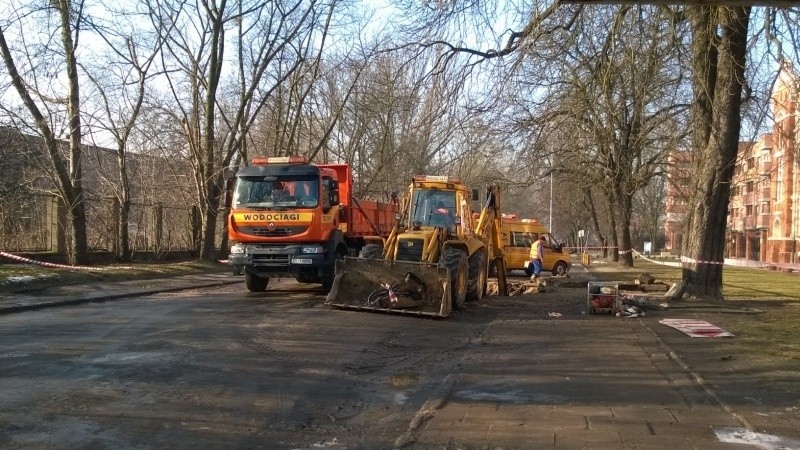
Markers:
point(219, 367)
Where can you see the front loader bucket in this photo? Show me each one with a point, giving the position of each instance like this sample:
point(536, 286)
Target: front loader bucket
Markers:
point(396, 287)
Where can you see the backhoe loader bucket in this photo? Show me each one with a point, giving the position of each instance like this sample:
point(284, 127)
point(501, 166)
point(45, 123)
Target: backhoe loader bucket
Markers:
point(396, 287)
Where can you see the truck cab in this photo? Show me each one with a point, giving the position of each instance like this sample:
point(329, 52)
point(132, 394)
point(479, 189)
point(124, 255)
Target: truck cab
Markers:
point(520, 234)
point(292, 218)
point(284, 221)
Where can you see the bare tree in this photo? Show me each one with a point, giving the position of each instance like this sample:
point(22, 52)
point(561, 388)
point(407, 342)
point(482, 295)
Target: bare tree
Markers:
point(275, 39)
point(719, 49)
point(648, 210)
point(33, 88)
point(121, 84)
point(612, 110)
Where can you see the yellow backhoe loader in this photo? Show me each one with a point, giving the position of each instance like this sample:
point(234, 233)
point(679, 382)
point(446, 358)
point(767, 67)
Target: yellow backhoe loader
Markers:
point(436, 257)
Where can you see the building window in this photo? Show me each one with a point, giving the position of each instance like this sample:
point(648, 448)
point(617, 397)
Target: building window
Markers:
point(779, 181)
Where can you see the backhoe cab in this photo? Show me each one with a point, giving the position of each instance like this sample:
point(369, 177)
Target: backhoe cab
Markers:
point(436, 257)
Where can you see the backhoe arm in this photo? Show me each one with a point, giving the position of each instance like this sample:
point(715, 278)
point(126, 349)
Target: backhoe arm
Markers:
point(489, 229)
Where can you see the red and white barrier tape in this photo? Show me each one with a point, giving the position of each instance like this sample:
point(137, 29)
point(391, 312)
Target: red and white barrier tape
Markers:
point(662, 263)
point(392, 295)
point(47, 264)
point(687, 260)
point(586, 248)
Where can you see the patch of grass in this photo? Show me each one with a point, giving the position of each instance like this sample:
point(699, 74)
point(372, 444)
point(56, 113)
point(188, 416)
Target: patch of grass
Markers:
point(738, 283)
point(23, 277)
point(773, 334)
point(770, 336)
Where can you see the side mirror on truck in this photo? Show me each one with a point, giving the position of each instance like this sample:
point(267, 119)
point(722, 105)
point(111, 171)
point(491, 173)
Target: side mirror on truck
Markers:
point(334, 190)
point(332, 199)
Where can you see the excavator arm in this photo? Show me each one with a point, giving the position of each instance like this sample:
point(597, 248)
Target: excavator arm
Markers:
point(489, 229)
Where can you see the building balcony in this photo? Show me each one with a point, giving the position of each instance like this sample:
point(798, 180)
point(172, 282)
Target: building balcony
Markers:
point(763, 221)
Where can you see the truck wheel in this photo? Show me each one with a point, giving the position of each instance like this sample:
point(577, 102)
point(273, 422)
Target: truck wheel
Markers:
point(254, 282)
point(372, 251)
point(327, 280)
point(476, 285)
point(457, 266)
point(559, 269)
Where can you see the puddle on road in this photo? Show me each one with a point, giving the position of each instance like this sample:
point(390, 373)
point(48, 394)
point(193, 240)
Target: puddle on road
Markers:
point(400, 398)
point(733, 435)
point(502, 394)
point(403, 380)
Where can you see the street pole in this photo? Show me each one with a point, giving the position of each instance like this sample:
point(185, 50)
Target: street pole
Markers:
point(551, 200)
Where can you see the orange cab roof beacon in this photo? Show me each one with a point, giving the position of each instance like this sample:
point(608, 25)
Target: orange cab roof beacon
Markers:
point(437, 178)
point(261, 160)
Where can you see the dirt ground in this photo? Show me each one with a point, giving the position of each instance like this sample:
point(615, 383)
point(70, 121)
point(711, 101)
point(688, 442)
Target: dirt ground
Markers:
point(280, 369)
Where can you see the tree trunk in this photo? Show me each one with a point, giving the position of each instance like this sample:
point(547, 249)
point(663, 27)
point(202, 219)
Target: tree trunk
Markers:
point(123, 232)
point(613, 226)
point(718, 71)
point(213, 193)
point(589, 201)
point(623, 230)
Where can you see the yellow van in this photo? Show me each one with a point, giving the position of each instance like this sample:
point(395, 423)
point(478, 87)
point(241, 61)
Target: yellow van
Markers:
point(519, 234)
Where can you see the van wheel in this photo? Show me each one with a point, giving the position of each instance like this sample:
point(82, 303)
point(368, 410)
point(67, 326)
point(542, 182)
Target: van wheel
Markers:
point(477, 276)
point(560, 269)
point(457, 266)
point(254, 282)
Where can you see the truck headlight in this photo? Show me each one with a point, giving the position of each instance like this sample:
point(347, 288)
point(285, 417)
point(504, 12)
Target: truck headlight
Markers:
point(237, 249)
point(316, 248)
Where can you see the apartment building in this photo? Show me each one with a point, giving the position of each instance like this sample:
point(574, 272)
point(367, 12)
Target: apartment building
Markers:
point(679, 168)
point(763, 221)
point(750, 201)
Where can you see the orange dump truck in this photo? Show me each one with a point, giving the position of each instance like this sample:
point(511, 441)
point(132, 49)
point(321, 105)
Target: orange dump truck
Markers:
point(290, 218)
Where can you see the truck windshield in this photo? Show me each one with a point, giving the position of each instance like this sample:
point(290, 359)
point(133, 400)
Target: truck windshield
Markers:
point(434, 208)
point(276, 192)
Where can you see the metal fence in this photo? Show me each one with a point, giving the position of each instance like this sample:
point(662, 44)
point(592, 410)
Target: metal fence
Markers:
point(41, 223)
point(25, 224)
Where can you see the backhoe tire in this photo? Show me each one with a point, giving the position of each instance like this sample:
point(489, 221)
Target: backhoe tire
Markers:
point(455, 261)
point(372, 251)
point(254, 282)
point(476, 285)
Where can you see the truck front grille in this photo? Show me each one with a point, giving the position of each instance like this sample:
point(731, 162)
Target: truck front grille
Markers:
point(265, 231)
point(410, 250)
point(271, 259)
